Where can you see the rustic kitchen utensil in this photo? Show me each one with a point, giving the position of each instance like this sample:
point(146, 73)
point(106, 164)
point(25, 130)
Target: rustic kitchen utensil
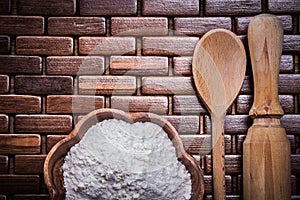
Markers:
point(55, 159)
point(266, 150)
point(219, 65)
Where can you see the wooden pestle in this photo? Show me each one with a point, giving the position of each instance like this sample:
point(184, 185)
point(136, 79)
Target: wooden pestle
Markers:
point(266, 150)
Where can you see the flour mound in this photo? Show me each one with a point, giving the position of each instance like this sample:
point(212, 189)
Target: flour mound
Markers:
point(119, 160)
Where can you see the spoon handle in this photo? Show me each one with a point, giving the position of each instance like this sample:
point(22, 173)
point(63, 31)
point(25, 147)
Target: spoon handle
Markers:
point(266, 150)
point(218, 153)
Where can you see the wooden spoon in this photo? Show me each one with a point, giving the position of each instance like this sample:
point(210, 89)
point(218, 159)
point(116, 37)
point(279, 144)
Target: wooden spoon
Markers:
point(266, 150)
point(219, 65)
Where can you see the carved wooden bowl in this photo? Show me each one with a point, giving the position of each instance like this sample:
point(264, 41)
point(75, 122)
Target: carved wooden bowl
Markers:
point(52, 168)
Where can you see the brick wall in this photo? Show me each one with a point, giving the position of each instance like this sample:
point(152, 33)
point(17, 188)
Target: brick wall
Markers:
point(62, 59)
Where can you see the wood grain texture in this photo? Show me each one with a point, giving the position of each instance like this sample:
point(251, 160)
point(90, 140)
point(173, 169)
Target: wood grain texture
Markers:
point(107, 45)
point(139, 26)
point(43, 85)
point(182, 65)
point(20, 144)
point(4, 123)
point(29, 164)
point(233, 164)
point(18, 184)
point(20, 104)
point(75, 65)
point(71, 104)
point(21, 25)
point(228, 197)
point(208, 182)
point(4, 44)
point(234, 7)
point(201, 144)
point(50, 7)
point(138, 65)
point(153, 104)
point(188, 104)
point(198, 26)
point(5, 7)
point(170, 7)
point(185, 124)
point(167, 85)
point(108, 7)
point(4, 164)
point(107, 85)
point(266, 149)
point(169, 46)
point(44, 45)
point(4, 84)
point(43, 124)
point(283, 6)
point(52, 140)
point(76, 26)
point(244, 103)
point(243, 22)
point(20, 64)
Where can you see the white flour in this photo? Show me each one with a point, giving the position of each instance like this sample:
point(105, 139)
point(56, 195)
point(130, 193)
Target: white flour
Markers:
point(118, 160)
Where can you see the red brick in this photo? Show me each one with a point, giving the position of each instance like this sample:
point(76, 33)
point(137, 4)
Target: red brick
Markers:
point(4, 84)
point(233, 164)
point(234, 124)
point(21, 25)
point(107, 85)
point(31, 197)
point(108, 7)
point(291, 43)
point(5, 6)
point(243, 22)
point(201, 144)
point(50, 7)
point(68, 104)
point(43, 84)
point(21, 64)
point(138, 65)
point(52, 140)
point(154, 104)
point(295, 164)
point(139, 26)
point(182, 65)
point(18, 184)
point(3, 164)
point(43, 123)
point(284, 6)
point(188, 124)
point(29, 164)
point(167, 85)
point(244, 103)
point(20, 144)
point(76, 26)
point(44, 45)
point(75, 65)
point(20, 104)
point(107, 45)
point(188, 104)
point(291, 123)
point(170, 7)
point(198, 26)
point(208, 184)
point(4, 44)
point(3, 123)
point(233, 7)
point(169, 46)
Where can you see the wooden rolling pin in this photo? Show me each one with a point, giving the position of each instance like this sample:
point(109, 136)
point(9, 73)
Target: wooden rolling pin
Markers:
point(266, 150)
